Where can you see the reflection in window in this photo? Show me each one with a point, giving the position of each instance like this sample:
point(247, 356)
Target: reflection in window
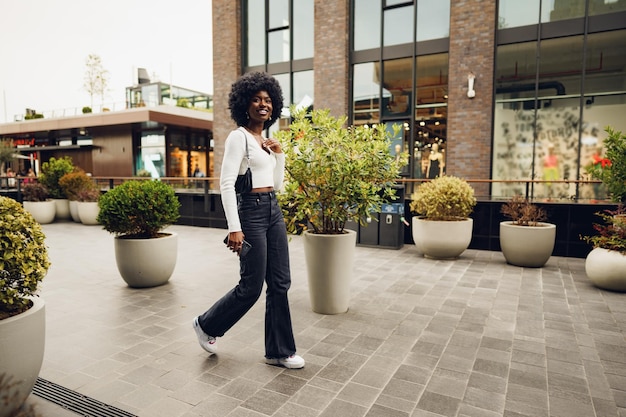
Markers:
point(433, 19)
point(303, 31)
point(255, 35)
point(398, 26)
point(606, 6)
point(278, 46)
point(303, 88)
point(366, 24)
point(278, 13)
point(513, 13)
point(152, 154)
point(552, 10)
point(365, 92)
point(560, 67)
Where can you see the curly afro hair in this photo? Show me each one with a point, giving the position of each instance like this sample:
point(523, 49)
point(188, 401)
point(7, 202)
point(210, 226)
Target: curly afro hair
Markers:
point(245, 87)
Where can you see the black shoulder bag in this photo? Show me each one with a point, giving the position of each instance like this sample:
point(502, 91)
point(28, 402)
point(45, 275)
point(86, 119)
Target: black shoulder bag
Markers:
point(243, 184)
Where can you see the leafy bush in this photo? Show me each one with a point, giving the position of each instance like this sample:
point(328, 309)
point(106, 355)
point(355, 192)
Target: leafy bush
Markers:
point(612, 170)
point(86, 109)
point(612, 234)
point(75, 182)
point(444, 198)
point(89, 195)
point(138, 209)
point(335, 173)
point(34, 191)
point(23, 257)
point(522, 212)
point(51, 173)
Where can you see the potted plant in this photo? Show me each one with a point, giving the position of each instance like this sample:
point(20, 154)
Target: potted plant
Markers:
point(136, 212)
point(51, 173)
point(87, 203)
point(333, 174)
point(23, 264)
point(36, 202)
point(611, 170)
point(605, 265)
point(526, 239)
point(442, 228)
point(72, 184)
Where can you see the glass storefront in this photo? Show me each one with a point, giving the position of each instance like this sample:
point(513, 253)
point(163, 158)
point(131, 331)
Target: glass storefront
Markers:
point(410, 91)
point(554, 97)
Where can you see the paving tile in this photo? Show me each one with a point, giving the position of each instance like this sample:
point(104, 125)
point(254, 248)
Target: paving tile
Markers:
point(422, 338)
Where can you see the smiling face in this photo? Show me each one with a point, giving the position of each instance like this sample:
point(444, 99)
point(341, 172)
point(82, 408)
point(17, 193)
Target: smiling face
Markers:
point(260, 108)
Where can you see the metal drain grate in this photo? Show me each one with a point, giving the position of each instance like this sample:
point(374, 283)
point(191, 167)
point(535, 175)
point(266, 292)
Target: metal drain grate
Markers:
point(76, 402)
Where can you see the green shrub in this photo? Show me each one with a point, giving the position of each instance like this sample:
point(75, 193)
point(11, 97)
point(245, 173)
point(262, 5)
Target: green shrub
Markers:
point(138, 209)
point(444, 198)
point(51, 173)
point(34, 191)
point(611, 235)
point(335, 173)
point(75, 182)
point(86, 109)
point(23, 257)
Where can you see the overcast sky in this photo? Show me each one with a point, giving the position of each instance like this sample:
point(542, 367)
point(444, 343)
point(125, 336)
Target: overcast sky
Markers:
point(44, 45)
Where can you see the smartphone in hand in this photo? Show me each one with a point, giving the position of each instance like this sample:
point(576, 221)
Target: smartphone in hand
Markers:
point(245, 246)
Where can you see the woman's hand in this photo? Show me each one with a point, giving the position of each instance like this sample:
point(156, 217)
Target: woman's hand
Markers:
point(273, 145)
point(235, 241)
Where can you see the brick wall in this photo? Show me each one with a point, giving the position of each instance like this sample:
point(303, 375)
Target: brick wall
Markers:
point(331, 67)
point(472, 46)
point(226, 69)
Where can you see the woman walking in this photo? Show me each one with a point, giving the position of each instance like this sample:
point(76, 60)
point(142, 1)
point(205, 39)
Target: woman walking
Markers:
point(255, 103)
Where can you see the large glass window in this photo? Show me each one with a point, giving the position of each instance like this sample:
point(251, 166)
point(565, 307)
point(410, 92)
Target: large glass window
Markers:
point(303, 31)
point(271, 37)
point(366, 24)
point(398, 25)
point(303, 87)
point(365, 93)
point(255, 33)
point(514, 13)
point(433, 19)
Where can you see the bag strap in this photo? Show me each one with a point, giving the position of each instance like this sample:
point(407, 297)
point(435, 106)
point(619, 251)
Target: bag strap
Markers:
point(245, 138)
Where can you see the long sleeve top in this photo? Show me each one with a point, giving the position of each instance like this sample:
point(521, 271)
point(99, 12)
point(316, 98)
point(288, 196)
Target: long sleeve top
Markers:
point(268, 170)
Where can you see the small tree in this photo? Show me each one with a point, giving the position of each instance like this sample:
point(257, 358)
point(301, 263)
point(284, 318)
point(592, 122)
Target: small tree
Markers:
point(7, 152)
point(96, 78)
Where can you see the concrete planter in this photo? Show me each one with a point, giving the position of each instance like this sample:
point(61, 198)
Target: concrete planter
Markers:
point(146, 262)
point(441, 239)
point(62, 208)
point(88, 212)
point(42, 211)
point(529, 246)
point(22, 344)
point(606, 269)
point(329, 260)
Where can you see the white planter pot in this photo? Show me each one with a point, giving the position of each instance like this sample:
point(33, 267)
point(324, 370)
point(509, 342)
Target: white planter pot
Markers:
point(88, 212)
point(42, 211)
point(22, 344)
point(62, 208)
point(441, 239)
point(329, 260)
point(528, 246)
point(146, 262)
point(74, 211)
point(606, 269)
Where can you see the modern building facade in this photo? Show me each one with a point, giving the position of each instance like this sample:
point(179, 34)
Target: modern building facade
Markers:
point(166, 140)
point(507, 90)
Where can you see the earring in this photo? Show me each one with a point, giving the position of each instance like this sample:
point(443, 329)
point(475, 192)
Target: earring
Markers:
point(247, 116)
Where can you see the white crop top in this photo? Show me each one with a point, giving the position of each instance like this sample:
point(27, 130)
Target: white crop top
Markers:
point(268, 170)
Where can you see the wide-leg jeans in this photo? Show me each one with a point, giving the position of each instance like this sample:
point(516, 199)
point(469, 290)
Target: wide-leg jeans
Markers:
point(268, 261)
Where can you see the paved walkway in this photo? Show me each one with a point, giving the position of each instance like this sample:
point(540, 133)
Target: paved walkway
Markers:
point(470, 337)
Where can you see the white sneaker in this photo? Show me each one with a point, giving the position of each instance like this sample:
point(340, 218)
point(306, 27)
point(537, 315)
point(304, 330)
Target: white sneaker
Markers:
point(291, 362)
point(208, 343)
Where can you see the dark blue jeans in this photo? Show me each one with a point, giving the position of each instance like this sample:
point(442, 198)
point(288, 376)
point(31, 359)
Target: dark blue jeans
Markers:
point(268, 261)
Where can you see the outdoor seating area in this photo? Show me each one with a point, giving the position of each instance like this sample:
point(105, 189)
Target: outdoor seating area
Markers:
point(467, 337)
